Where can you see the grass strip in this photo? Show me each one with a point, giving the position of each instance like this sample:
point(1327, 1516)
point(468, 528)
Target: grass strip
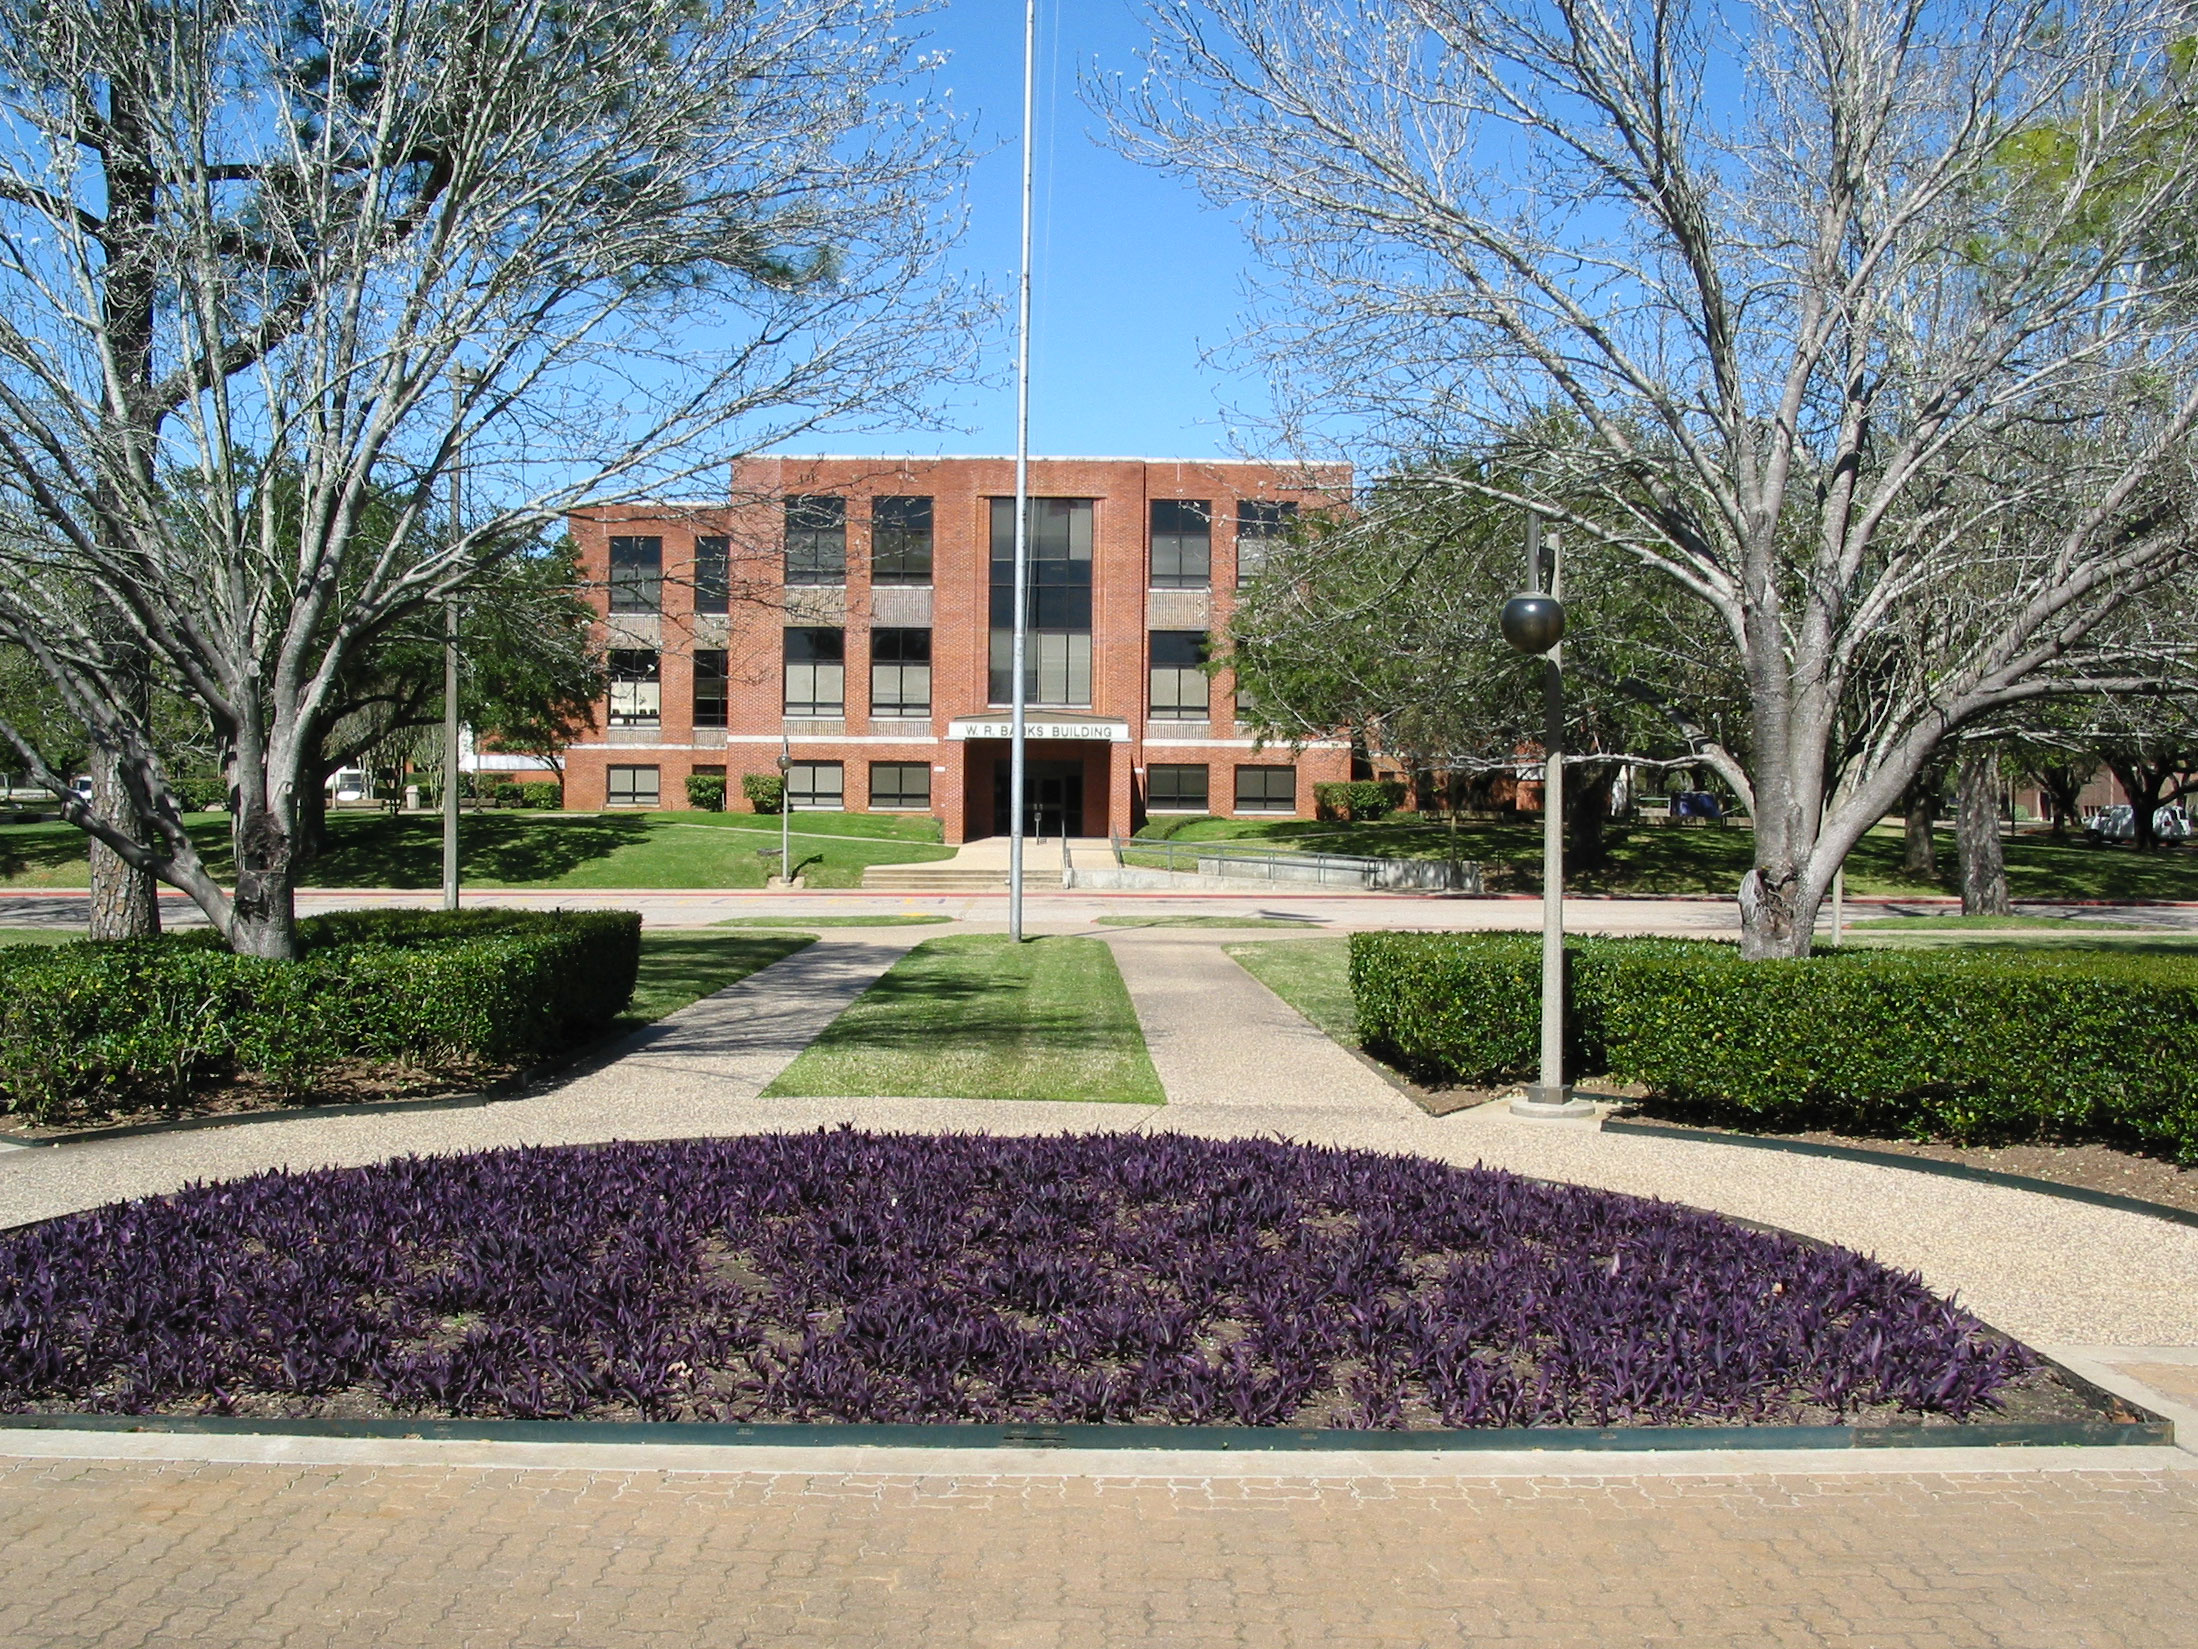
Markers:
point(1206, 922)
point(973, 1016)
point(681, 965)
point(2002, 924)
point(803, 923)
point(1312, 975)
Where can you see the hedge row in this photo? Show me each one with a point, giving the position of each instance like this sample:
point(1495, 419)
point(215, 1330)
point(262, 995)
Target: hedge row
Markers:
point(144, 1022)
point(1967, 1046)
point(1358, 799)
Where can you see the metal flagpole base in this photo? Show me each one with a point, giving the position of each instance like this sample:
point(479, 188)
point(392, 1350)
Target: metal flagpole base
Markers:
point(1552, 1104)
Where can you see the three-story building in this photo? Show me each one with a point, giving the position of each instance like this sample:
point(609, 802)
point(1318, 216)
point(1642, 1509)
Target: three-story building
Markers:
point(860, 610)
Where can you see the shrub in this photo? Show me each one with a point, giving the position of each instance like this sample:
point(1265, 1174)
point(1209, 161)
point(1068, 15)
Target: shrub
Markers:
point(1358, 799)
point(842, 1276)
point(210, 795)
point(542, 795)
point(1965, 1046)
point(142, 1022)
point(707, 791)
point(765, 791)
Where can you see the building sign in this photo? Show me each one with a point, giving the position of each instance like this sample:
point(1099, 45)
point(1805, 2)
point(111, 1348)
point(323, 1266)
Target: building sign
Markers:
point(970, 727)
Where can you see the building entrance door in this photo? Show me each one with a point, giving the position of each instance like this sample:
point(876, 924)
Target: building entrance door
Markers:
point(1053, 798)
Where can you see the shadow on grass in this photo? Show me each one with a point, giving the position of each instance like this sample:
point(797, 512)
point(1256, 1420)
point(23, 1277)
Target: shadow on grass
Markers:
point(406, 852)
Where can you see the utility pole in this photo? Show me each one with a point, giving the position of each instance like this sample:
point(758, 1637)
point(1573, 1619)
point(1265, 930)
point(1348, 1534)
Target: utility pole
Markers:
point(1019, 699)
point(459, 379)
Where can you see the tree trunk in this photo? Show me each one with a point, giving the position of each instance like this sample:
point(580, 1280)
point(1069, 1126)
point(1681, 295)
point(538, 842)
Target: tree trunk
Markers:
point(1977, 838)
point(1919, 853)
point(264, 915)
point(2141, 785)
point(124, 900)
point(1587, 805)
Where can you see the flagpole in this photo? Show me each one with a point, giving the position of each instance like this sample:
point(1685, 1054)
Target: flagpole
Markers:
point(1022, 493)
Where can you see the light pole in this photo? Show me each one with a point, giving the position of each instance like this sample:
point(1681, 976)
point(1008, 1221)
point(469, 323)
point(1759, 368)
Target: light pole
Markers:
point(785, 813)
point(1534, 623)
point(461, 379)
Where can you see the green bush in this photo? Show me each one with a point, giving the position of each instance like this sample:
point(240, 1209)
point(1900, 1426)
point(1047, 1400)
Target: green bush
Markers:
point(209, 795)
point(143, 1022)
point(765, 791)
point(542, 795)
point(1358, 800)
point(707, 791)
point(1941, 1044)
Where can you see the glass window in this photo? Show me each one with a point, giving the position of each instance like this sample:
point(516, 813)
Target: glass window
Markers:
point(1182, 543)
point(634, 787)
point(1260, 522)
point(713, 575)
point(637, 687)
point(710, 687)
point(900, 541)
point(637, 575)
point(1057, 662)
point(900, 784)
point(900, 672)
point(816, 785)
point(1175, 787)
point(816, 673)
point(1179, 685)
point(1266, 790)
point(816, 540)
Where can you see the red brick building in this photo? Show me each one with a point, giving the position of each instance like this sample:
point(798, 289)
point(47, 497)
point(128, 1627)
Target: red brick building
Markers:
point(860, 609)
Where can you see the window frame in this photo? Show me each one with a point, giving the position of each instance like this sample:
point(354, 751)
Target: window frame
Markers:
point(645, 689)
point(890, 568)
point(1264, 803)
point(898, 670)
point(793, 802)
point(632, 799)
point(877, 805)
point(816, 547)
point(1198, 707)
point(713, 590)
point(1261, 522)
point(719, 705)
point(1184, 547)
point(834, 662)
point(636, 576)
point(1154, 803)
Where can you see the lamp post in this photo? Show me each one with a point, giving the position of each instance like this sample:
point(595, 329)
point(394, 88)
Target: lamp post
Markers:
point(785, 813)
point(1534, 624)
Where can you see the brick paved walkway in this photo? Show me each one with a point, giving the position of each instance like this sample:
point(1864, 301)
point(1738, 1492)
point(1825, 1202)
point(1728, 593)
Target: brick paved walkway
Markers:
point(332, 1558)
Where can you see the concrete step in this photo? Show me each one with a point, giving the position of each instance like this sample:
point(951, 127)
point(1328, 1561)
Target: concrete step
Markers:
point(950, 879)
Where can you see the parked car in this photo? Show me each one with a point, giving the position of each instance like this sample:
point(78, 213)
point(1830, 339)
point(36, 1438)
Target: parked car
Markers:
point(2119, 824)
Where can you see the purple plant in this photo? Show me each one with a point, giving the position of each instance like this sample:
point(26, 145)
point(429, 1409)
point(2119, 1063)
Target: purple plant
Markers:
point(868, 1277)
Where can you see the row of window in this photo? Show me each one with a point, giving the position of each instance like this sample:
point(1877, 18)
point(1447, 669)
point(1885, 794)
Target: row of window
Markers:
point(900, 550)
point(1170, 787)
point(815, 676)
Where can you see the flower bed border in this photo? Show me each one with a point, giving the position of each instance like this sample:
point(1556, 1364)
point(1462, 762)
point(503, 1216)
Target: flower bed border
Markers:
point(2145, 1430)
point(1897, 1159)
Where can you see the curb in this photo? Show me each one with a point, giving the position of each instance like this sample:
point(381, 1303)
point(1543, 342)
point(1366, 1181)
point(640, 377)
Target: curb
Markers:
point(1914, 1165)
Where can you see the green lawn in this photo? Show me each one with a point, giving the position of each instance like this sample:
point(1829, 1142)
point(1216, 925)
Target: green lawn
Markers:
point(1206, 922)
point(38, 936)
point(806, 922)
point(1673, 859)
point(681, 965)
point(1992, 924)
point(506, 849)
point(1312, 975)
point(972, 1016)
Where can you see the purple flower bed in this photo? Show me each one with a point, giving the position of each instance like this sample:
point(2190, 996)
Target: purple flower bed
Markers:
point(862, 1277)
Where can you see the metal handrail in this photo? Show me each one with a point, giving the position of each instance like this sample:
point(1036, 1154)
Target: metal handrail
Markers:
point(1171, 854)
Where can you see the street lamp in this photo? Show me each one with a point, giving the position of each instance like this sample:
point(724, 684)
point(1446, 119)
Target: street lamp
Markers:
point(1534, 624)
point(785, 813)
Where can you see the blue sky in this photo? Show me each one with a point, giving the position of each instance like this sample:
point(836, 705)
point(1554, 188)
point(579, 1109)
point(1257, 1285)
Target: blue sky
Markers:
point(1135, 277)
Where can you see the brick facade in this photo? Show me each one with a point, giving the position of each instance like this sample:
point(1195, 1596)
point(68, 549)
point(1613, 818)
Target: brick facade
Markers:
point(955, 607)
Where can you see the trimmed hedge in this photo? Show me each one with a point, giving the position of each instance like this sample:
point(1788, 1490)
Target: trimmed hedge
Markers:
point(144, 1022)
point(1937, 1044)
point(766, 792)
point(706, 791)
point(1358, 800)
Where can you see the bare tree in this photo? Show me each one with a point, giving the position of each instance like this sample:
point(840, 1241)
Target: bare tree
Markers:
point(1857, 313)
point(247, 246)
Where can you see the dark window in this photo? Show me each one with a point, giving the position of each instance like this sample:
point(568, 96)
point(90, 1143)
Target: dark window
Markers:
point(816, 540)
point(710, 687)
point(900, 784)
point(637, 575)
point(816, 673)
point(1179, 685)
point(1057, 661)
point(1182, 543)
point(637, 688)
point(1259, 523)
point(816, 785)
point(900, 672)
point(900, 541)
point(1175, 787)
point(713, 575)
point(634, 787)
point(1266, 790)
